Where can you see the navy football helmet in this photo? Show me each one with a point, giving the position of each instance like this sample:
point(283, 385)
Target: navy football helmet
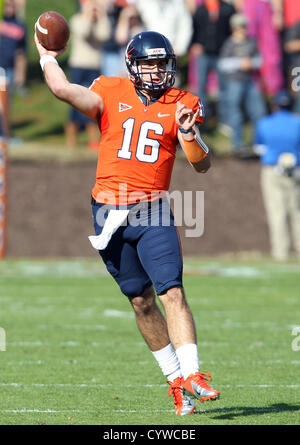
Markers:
point(145, 46)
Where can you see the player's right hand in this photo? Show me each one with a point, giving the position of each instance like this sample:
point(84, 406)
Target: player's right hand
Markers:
point(43, 51)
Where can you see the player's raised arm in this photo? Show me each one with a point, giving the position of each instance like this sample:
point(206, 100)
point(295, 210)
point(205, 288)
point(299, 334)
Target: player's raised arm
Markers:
point(79, 97)
point(190, 140)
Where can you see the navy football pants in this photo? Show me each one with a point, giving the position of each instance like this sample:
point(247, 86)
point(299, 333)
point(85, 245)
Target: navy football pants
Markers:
point(138, 256)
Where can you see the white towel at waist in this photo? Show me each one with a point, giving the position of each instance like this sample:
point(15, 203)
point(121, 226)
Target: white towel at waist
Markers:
point(113, 221)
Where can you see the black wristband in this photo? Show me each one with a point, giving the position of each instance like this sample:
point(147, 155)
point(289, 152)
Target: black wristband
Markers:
point(182, 130)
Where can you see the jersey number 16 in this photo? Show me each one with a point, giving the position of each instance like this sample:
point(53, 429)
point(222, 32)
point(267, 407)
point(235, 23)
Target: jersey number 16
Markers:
point(143, 141)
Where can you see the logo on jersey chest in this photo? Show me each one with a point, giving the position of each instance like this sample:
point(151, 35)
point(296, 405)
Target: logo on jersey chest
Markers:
point(124, 107)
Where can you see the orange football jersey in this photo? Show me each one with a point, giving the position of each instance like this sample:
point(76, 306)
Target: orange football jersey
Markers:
point(138, 142)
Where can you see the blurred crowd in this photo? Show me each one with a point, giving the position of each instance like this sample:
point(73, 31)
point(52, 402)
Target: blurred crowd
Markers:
point(241, 57)
point(235, 54)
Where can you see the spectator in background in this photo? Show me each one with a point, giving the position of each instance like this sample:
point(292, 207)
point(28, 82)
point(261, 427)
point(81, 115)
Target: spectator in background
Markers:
point(169, 17)
point(264, 25)
point(13, 59)
point(211, 29)
point(173, 19)
point(289, 10)
point(192, 5)
point(129, 24)
point(240, 62)
point(292, 49)
point(278, 141)
point(111, 49)
point(193, 82)
point(193, 78)
point(21, 9)
point(89, 28)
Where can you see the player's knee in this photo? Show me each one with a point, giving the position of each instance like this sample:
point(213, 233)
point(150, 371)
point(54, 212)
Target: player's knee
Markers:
point(174, 295)
point(144, 303)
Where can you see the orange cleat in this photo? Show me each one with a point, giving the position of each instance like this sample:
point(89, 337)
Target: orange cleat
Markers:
point(183, 404)
point(196, 386)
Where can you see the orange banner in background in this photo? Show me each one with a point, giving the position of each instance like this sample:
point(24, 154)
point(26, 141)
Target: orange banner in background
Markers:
point(3, 163)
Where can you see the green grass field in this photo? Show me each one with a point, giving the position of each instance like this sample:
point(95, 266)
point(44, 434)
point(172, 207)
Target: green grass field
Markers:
point(74, 355)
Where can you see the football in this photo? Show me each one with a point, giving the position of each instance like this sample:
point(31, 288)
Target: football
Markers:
point(52, 30)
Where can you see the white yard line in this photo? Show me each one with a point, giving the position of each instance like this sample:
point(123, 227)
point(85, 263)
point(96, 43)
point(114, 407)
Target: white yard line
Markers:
point(262, 410)
point(70, 343)
point(148, 362)
point(131, 411)
point(24, 410)
point(113, 313)
point(133, 385)
point(75, 327)
point(85, 268)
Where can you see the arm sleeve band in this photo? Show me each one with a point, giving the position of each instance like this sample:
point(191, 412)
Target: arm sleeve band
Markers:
point(196, 150)
point(46, 58)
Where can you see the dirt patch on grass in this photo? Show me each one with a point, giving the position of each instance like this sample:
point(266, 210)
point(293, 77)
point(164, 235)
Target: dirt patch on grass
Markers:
point(49, 211)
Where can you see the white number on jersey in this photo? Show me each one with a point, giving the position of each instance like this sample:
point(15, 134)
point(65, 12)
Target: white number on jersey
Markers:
point(143, 141)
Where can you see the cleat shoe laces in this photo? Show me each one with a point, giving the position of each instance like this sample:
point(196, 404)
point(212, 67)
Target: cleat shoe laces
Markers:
point(183, 404)
point(196, 386)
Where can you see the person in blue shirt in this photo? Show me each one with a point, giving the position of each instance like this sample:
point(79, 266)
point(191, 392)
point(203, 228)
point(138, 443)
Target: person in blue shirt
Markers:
point(277, 140)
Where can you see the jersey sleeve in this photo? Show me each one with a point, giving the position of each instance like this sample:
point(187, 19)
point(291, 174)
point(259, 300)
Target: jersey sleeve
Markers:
point(98, 87)
point(103, 86)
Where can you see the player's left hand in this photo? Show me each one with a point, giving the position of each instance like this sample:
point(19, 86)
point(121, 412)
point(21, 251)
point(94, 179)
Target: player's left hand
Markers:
point(185, 117)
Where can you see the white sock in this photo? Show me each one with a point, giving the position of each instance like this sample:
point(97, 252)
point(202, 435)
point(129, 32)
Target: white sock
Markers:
point(188, 359)
point(168, 362)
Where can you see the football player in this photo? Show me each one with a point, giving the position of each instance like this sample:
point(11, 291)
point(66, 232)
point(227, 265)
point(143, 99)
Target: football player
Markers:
point(141, 120)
